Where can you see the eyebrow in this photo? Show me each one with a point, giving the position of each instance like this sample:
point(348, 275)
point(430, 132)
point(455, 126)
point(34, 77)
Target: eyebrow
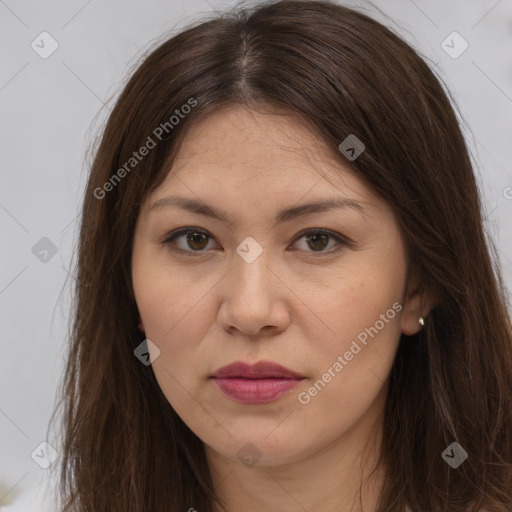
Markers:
point(201, 208)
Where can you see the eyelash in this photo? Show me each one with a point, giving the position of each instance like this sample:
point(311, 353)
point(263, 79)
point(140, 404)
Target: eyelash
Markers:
point(169, 239)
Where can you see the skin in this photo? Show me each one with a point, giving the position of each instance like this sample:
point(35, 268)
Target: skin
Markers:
point(298, 304)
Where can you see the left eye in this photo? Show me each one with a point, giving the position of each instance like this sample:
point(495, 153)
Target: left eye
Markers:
point(197, 240)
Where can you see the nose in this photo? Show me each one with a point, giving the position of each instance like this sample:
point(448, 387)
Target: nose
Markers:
point(254, 299)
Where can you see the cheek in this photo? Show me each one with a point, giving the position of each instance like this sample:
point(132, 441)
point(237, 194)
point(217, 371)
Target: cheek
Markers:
point(352, 367)
point(166, 308)
point(175, 306)
point(174, 318)
point(363, 339)
point(361, 310)
point(356, 298)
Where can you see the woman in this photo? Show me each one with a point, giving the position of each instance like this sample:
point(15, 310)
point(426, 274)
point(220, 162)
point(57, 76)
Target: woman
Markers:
point(285, 297)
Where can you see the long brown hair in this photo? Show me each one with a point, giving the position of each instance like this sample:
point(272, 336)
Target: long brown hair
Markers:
point(124, 448)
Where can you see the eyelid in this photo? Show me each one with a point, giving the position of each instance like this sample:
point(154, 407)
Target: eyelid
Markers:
point(342, 240)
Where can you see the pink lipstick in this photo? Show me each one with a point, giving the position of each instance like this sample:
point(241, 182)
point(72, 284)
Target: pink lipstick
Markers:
point(258, 383)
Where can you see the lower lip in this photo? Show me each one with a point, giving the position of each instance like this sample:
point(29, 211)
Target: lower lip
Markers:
point(256, 391)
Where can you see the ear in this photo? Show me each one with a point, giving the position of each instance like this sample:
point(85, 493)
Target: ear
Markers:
point(417, 303)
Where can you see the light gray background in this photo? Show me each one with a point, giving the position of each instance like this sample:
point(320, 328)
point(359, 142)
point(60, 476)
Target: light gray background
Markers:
point(51, 110)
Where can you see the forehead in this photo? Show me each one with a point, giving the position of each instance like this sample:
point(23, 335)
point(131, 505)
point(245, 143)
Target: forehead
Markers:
point(239, 147)
point(237, 123)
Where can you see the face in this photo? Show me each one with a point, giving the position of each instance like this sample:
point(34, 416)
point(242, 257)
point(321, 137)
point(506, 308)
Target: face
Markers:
point(319, 291)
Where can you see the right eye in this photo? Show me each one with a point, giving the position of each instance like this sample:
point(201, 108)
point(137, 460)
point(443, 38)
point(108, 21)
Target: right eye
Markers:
point(196, 241)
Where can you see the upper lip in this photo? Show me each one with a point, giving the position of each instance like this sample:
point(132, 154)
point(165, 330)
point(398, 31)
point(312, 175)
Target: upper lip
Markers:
point(259, 370)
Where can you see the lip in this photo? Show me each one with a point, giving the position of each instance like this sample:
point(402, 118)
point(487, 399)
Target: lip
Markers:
point(258, 383)
point(259, 370)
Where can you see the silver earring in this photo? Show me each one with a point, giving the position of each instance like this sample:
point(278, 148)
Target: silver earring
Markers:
point(421, 321)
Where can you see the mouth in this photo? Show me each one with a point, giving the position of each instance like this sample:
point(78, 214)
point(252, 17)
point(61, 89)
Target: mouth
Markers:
point(262, 382)
point(259, 370)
